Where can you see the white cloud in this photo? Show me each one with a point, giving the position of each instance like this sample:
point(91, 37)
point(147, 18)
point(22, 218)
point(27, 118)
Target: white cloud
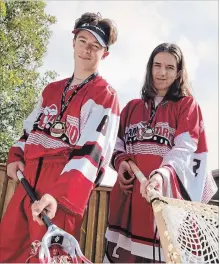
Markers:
point(191, 57)
point(208, 50)
point(136, 37)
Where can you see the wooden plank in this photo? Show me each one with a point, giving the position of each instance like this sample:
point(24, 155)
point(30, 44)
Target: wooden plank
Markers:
point(92, 226)
point(3, 187)
point(102, 224)
point(2, 167)
point(215, 173)
point(214, 202)
point(83, 232)
point(12, 184)
point(103, 188)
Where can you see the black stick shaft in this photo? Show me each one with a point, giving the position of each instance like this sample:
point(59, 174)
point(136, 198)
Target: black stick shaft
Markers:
point(29, 190)
point(31, 193)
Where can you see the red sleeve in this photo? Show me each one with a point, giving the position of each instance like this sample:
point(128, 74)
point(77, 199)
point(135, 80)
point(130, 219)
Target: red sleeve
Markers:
point(119, 153)
point(16, 152)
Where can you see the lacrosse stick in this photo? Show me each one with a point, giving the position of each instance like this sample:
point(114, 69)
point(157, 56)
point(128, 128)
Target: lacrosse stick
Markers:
point(54, 236)
point(152, 193)
point(188, 230)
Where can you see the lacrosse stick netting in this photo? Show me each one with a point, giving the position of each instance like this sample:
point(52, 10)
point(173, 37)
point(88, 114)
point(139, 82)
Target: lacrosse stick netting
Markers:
point(57, 246)
point(189, 231)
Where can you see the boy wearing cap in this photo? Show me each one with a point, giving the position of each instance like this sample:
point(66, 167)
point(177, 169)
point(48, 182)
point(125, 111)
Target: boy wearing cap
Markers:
point(67, 144)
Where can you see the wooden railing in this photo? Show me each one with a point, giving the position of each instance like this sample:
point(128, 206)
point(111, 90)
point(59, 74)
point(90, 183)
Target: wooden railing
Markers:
point(92, 237)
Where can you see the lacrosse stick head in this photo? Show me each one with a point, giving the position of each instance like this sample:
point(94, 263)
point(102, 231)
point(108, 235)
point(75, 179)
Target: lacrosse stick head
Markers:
point(58, 246)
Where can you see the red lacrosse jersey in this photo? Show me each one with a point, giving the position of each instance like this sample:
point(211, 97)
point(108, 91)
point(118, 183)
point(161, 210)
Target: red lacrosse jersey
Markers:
point(91, 125)
point(175, 145)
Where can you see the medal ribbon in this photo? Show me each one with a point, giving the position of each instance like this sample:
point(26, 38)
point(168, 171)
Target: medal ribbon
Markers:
point(65, 105)
point(153, 112)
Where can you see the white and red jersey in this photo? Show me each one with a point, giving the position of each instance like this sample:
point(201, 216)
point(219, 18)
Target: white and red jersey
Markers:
point(176, 148)
point(91, 125)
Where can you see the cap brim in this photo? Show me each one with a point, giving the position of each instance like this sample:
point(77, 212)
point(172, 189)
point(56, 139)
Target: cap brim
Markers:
point(99, 39)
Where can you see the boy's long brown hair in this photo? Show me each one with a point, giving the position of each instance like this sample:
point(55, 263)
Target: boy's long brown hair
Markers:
point(180, 87)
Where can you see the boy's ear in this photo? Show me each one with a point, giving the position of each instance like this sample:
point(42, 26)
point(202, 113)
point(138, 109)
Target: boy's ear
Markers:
point(74, 42)
point(106, 53)
point(178, 74)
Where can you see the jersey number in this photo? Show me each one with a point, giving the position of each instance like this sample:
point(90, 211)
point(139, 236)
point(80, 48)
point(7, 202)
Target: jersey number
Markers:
point(196, 166)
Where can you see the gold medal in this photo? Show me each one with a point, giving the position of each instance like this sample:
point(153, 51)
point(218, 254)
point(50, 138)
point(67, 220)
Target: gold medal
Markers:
point(57, 129)
point(148, 133)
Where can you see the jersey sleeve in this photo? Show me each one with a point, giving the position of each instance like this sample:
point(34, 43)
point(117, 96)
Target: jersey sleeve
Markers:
point(120, 154)
point(16, 152)
point(91, 154)
point(184, 167)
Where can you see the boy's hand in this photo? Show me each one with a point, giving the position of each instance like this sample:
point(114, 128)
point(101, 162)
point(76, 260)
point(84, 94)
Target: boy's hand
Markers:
point(125, 184)
point(47, 203)
point(155, 184)
point(12, 169)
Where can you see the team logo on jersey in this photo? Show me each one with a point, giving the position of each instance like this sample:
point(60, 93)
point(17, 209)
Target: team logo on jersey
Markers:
point(47, 117)
point(72, 130)
point(162, 133)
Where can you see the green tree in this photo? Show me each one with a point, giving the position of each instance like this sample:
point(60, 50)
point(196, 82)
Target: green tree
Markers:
point(24, 36)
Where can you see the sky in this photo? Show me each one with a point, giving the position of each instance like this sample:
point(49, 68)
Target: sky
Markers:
point(142, 25)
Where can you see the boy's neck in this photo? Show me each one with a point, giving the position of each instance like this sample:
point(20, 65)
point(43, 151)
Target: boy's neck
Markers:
point(161, 92)
point(81, 75)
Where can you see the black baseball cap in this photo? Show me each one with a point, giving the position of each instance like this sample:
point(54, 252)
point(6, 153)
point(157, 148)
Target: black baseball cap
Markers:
point(99, 31)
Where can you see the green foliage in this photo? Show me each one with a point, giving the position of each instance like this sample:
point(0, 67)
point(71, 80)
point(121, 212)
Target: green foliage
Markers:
point(24, 36)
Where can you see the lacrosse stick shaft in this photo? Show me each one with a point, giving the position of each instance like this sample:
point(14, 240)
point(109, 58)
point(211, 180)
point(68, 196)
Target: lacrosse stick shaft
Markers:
point(53, 230)
point(139, 175)
point(31, 193)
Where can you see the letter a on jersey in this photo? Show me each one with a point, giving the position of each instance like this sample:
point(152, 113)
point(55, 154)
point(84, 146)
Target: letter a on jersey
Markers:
point(102, 127)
